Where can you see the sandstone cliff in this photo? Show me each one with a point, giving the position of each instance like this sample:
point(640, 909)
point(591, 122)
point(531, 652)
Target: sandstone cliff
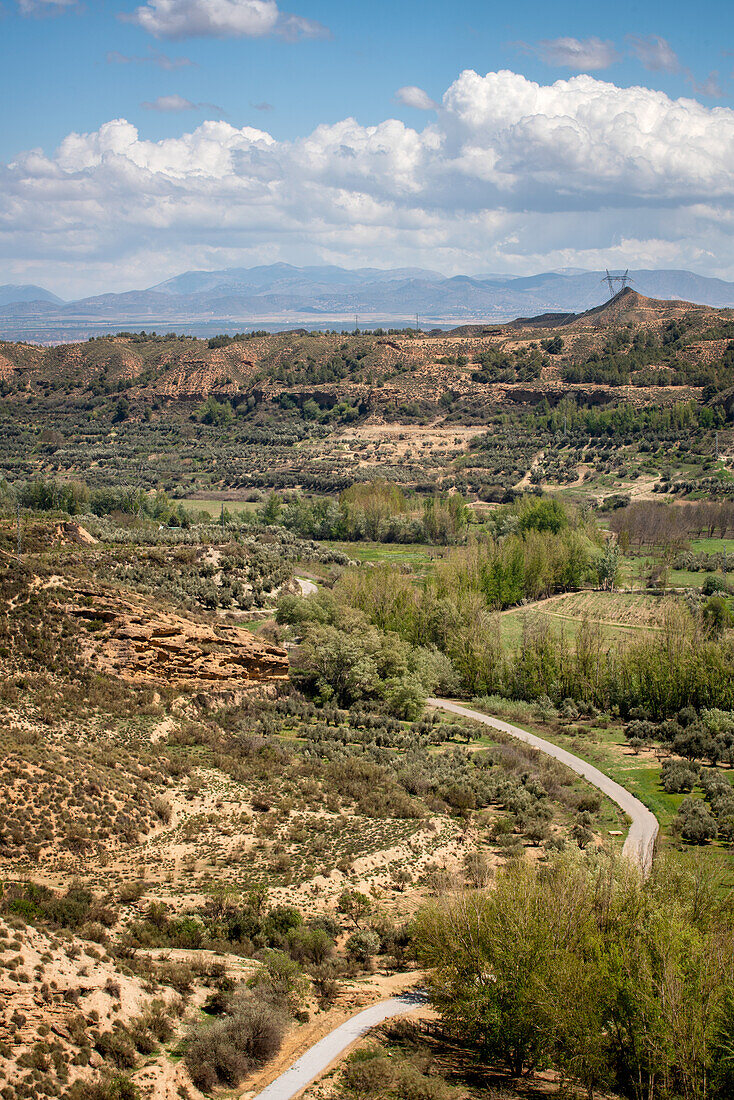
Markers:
point(141, 643)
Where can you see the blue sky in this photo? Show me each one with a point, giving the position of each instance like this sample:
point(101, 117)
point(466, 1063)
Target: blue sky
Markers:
point(375, 48)
point(297, 69)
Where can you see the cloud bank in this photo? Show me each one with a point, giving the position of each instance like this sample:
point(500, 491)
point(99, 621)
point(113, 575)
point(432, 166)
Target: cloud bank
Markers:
point(511, 175)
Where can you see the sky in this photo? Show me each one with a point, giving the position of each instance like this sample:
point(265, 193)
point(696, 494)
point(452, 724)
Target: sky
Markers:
point(139, 140)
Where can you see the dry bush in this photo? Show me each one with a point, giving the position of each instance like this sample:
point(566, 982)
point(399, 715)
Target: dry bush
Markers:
point(371, 1073)
point(221, 1053)
point(119, 1087)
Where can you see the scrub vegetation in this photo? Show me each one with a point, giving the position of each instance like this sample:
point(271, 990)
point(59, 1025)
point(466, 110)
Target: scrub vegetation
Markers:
point(232, 576)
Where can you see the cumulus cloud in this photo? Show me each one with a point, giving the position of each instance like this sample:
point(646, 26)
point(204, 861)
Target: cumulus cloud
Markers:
point(160, 60)
point(654, 52)
point(176, 19)
point(413, 96)
point(582, 54)
point(177, 102)
point(510, 175)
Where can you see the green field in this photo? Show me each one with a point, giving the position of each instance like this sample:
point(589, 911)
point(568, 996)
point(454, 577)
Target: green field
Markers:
point(634, 569)
point(713, 546)
point(417, 554)
point(620, 614)
point(214, 507)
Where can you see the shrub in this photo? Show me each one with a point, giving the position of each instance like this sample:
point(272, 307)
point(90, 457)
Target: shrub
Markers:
point(713, 585)
point(695, 822)
point(117, 1048)
point(162, 809)
point(312, 945)
point(677, 777)
point(119, 1087)
point(215, 1057)
point(221, 1053)
point(373, 1074)
point(362, 946)
point(325, 981)
point(281, 980)
point(131, 891)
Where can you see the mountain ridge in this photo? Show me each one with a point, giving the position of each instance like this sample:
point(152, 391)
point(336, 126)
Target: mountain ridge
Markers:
point(241, 298)
point(11, 293)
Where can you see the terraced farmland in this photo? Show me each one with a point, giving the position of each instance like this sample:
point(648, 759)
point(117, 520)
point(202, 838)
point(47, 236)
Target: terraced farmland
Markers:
point(616, 612)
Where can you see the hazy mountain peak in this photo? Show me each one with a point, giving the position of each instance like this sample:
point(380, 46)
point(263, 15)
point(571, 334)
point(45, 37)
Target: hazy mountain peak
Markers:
point(26, 292)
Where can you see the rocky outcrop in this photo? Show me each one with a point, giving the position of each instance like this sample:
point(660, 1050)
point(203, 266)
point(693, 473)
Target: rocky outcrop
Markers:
point(73, 532)
point(142, 644)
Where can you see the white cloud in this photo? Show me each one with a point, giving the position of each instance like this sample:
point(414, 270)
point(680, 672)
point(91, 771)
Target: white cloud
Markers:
point(413, 96)
point(654, 52)
point(170, 103)
point(177, 102)
point(44, 7)
point(510, 175)
point(581, 54)
point(293, 27)
point(176, 19)
point(116, 151)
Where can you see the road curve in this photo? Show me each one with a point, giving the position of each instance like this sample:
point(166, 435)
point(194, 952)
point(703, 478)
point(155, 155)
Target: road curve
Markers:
point(320, 1056)
point(307, 587)
point(640, 841)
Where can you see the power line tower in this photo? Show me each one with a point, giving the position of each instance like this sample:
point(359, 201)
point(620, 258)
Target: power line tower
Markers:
point(613, 280)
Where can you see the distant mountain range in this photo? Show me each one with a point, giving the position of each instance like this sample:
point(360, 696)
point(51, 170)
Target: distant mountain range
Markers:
point(280, 295)
point(11, 294)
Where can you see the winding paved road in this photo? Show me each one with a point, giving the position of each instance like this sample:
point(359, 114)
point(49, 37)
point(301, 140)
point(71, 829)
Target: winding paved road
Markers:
point(638, 846)
point(320, 1056)
point(640, 840)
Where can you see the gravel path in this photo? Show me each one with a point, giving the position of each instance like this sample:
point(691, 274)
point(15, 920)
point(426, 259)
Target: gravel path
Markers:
point(640, 841)
point(313, 1063)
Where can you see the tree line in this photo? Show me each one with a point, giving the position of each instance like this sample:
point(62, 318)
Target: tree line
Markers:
point(377, 511)
point(580, 967)
point(648, 523)
point(688, 660)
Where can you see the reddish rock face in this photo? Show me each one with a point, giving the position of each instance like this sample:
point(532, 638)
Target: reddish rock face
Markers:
point(141, 644)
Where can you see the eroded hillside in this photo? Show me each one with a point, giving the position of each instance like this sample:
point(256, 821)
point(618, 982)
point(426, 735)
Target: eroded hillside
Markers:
point(315, 411)
point(187, 834)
